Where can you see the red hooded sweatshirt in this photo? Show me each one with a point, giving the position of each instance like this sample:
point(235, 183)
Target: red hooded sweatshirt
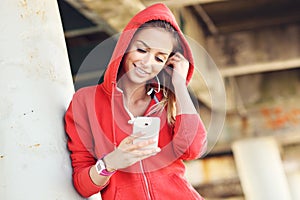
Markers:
point(97, 121)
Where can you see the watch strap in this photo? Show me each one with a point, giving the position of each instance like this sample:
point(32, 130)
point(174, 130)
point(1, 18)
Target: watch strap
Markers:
point(104, 172)
point(101, 168)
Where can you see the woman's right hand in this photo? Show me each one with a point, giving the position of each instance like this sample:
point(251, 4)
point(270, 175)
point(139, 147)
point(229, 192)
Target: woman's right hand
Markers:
point(128, 153)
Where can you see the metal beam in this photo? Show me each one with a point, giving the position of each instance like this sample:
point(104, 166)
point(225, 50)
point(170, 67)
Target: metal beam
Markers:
point(116, 13)
point(260, 67)
point(84, 31)
point(93, 16)
point(208, 21)
point(239, 24)
point(86, 76)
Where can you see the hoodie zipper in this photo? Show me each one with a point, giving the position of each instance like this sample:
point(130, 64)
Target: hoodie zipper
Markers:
point(145, 180)
point(132, 118)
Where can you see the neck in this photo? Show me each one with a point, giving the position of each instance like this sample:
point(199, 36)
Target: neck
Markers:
point(132, 92)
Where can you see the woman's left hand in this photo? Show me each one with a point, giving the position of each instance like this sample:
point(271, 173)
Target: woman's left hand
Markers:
point(179, 69)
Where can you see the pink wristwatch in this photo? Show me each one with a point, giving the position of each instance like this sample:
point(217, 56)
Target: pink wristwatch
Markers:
point(101, 168)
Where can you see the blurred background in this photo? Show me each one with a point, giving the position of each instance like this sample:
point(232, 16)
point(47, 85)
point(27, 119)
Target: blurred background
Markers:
point(255, 45)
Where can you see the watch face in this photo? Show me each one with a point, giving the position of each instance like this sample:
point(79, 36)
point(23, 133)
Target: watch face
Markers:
point(100, 166)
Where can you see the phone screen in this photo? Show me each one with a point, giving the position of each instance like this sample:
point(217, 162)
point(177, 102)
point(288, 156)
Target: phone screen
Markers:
point(149, 126)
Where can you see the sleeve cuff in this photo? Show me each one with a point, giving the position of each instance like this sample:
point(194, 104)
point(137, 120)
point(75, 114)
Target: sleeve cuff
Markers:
point(87, 186)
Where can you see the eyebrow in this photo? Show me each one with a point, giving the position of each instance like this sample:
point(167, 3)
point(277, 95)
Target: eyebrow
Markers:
point(150, 47)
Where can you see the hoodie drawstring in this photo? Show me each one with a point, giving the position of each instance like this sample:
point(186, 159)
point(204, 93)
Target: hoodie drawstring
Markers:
point(113, 118)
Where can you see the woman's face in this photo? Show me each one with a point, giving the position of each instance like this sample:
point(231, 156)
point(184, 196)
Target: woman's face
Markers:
point(147, 54)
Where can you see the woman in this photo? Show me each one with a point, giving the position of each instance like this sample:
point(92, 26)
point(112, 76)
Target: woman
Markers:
point(147, 76)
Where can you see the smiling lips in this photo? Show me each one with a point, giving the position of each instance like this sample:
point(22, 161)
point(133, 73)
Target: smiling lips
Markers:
point(140, 71)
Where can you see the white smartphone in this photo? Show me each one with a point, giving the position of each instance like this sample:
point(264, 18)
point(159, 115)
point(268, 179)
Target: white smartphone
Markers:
point(150, 127)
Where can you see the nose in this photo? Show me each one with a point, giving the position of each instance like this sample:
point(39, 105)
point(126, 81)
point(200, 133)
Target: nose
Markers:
point(147, 59)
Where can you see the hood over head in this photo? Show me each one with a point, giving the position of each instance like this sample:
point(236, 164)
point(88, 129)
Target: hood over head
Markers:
point(157, 11)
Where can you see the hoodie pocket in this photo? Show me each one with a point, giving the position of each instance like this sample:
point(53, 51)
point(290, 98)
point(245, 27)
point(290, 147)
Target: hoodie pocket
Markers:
point(173, 186)
point(135, 190)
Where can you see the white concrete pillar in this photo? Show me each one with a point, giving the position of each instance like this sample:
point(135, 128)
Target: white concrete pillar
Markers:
point(260, 169)
point(36, 88)
point(292, 168)
point(294, 183)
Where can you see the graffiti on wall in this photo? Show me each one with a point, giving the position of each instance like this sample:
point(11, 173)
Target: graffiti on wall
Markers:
point(279, 117)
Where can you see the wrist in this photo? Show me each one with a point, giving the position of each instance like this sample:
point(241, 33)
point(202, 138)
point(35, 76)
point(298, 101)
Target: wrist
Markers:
point(180, 88)
point(107, 165)
point(102, 169)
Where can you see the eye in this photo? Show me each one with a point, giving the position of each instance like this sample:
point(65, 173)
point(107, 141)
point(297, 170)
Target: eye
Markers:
point(141, 50)
point(159, 59)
